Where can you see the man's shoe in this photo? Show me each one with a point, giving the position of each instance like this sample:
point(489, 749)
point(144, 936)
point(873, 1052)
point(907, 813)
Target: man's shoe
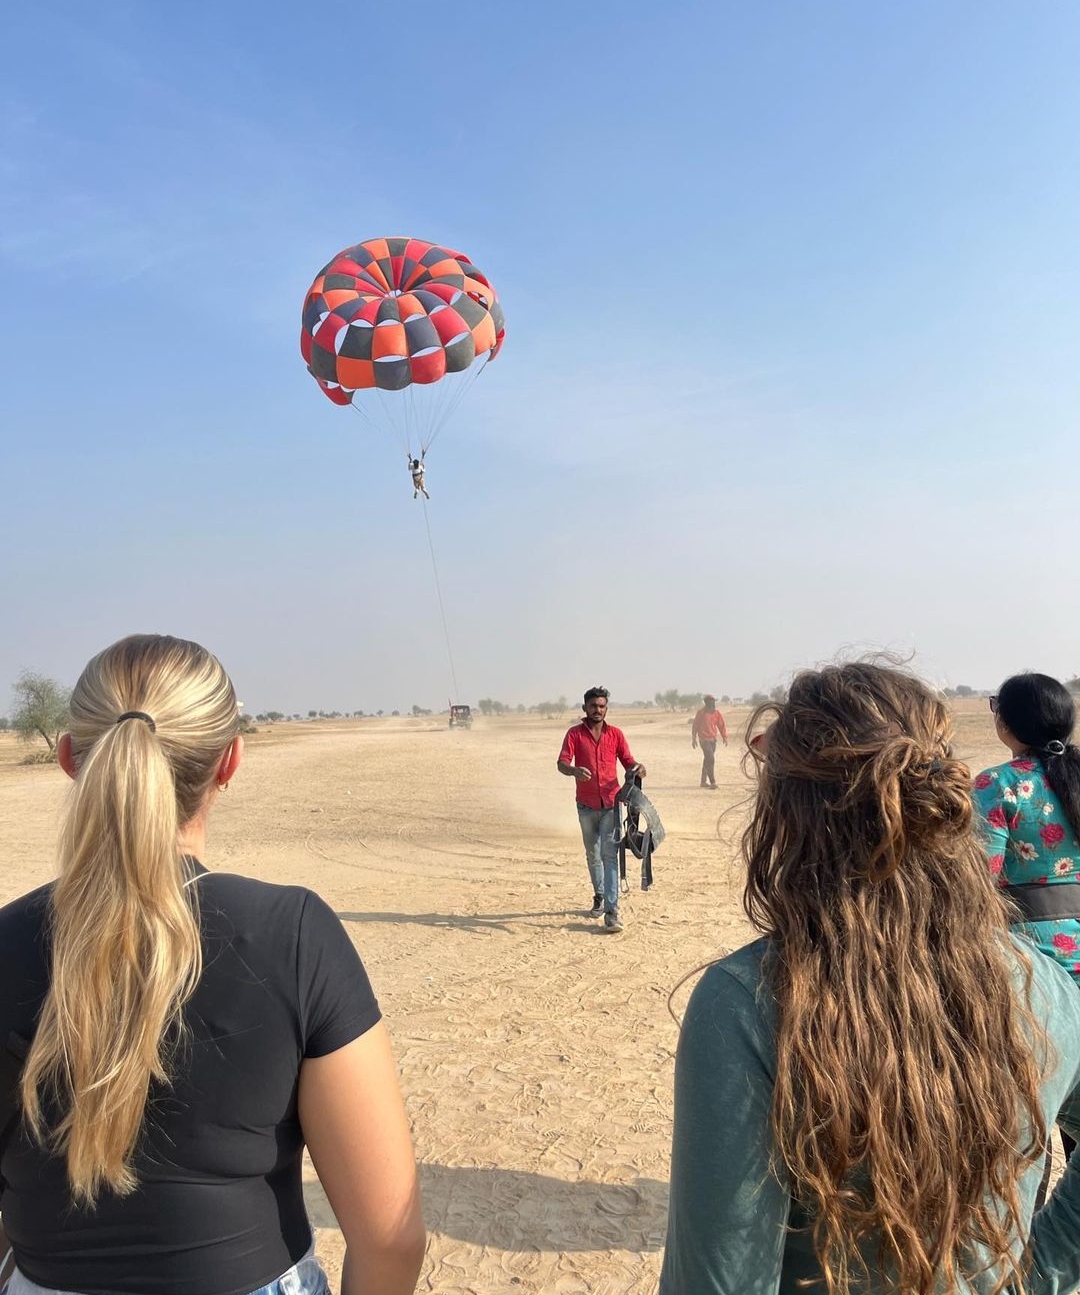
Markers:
point(597, 906)
point(612, 923)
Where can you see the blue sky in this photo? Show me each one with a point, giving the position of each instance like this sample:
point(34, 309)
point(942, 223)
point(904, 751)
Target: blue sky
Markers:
point(791, 363)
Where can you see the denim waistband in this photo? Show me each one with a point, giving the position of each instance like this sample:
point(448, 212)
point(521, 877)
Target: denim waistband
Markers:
point(306, 1277)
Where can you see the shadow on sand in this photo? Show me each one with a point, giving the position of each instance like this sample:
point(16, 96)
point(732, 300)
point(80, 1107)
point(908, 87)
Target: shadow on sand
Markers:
point(514, 1211)
point(478, 921)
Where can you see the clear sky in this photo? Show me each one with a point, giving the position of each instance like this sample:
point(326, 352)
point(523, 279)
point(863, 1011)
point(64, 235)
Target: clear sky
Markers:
point(792, 359)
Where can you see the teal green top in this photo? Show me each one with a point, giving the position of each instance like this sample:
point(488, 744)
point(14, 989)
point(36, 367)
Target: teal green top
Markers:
point(730, 1218)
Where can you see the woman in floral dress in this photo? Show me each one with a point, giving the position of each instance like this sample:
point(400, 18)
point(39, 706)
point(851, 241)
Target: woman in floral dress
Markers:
point(1031, 811)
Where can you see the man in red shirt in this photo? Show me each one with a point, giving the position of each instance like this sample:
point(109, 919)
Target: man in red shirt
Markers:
point(589, 752)
point(708, 726)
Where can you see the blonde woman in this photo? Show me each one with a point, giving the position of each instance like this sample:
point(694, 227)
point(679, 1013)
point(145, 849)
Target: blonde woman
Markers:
point(186, 1032)
point(862, 1095)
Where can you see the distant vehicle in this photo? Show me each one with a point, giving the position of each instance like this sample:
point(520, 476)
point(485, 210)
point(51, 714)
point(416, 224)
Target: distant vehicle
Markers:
point(460, 717)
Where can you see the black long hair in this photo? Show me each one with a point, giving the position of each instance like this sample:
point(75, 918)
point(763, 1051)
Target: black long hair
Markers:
point(1040, 712)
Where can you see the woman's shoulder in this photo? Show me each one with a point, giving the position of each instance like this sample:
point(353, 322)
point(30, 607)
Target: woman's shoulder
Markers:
point(26, 916)
point(731, 1011)
point(24, 958)
point(738, 977)
point(1022, 769)
point(1054, 996)
point(264, 904)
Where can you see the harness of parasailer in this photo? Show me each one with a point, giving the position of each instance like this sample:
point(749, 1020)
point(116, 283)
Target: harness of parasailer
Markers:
point(637, 829)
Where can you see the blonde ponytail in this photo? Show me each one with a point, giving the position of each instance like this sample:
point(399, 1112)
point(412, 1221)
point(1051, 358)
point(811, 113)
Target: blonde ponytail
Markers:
point(126, 951)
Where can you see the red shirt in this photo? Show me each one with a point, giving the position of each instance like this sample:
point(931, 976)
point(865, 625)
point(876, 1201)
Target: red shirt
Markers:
point(580, 748)
point(709, 723)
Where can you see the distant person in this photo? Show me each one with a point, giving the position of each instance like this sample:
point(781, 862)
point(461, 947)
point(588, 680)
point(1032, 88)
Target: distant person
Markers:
point(1030, 807)
point(185, 1032)
point(416, 467)
point(589, 754)
point(708, 727)
point(862, 1094)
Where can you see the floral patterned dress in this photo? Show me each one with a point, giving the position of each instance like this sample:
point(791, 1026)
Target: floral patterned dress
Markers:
point(1029, 840)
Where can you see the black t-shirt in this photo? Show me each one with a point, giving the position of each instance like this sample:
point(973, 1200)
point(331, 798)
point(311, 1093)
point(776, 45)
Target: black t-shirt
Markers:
point(219, 1207)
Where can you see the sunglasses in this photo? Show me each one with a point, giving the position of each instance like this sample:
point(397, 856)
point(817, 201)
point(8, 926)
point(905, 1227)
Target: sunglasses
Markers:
point(993, 703)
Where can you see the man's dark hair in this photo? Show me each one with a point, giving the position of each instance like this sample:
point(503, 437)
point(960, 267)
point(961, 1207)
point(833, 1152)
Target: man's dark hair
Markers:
point(595, 692)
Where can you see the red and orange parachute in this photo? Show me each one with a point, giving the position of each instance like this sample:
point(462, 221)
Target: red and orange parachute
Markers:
point(393, 314)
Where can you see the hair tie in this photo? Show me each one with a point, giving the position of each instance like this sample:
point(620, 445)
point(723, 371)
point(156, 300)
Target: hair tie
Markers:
point(1055, 747)
point(137, 714)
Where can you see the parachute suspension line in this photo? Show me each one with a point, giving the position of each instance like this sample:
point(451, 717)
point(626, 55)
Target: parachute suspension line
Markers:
point(442, 608)
point(379, 425)
point(453, 395)
point(417, 422)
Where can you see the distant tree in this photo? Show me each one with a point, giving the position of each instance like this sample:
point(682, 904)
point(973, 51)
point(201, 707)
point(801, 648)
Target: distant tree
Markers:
point(313, 714)
point(380, 713)
point(485, 705)
point(1073, 684)
point(5, 723)
point(757, 698)
point(395, 712)
point(274, 716)
point(41, 708)
point(778, 694)
point(418, 711)
point(520, 708)
point(725, 700)
point(962, 690)
point(247, 724)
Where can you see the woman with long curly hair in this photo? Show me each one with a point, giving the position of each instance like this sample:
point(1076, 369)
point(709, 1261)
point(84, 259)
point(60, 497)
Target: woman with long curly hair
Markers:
point(862, 1095)
point(184, 1033)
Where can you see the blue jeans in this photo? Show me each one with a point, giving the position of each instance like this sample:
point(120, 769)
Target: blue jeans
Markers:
point(304, 1278)
point(601, 853)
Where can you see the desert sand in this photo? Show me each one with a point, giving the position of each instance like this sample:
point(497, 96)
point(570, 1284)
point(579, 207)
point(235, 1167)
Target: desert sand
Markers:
point(535, 1052)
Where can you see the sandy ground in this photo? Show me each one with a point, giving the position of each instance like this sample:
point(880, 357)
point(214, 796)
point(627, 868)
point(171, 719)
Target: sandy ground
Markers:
point(536, 1053)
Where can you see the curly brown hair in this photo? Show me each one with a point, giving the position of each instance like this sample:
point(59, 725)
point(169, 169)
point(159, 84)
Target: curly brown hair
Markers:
point(905, 1107)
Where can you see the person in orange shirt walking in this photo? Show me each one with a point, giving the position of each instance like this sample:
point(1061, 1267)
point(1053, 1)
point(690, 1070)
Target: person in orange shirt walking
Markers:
point(708, 726)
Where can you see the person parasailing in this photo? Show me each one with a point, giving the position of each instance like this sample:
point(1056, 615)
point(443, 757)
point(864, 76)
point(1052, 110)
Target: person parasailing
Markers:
point(416, 467)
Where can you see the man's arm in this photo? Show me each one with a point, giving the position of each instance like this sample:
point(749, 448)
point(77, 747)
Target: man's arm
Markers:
point(722, 726)
point(622, 751)
point(577, 771)
point(565, 763)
